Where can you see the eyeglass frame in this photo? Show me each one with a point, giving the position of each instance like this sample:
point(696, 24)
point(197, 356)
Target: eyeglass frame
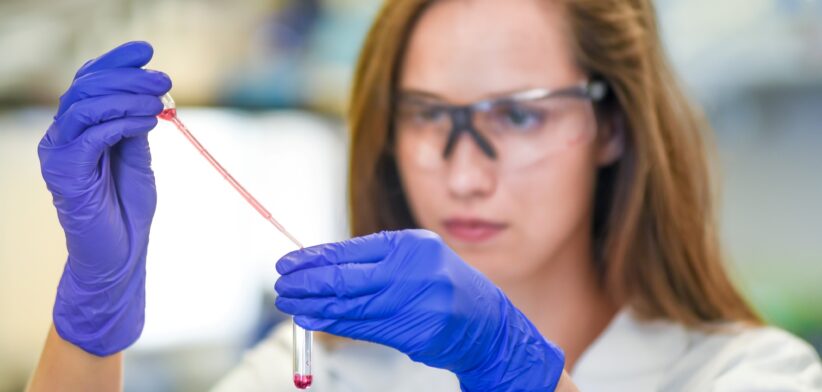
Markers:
point(461, 116)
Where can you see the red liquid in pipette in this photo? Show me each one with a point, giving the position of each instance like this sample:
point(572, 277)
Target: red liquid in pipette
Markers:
point(168, 114)
point(171, 115)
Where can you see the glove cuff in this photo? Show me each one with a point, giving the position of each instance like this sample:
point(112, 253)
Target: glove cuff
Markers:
point(521, 359)
point(102, 319)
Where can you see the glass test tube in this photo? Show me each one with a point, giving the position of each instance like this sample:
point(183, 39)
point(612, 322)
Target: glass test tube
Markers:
point(302, 339)
point(301, 355)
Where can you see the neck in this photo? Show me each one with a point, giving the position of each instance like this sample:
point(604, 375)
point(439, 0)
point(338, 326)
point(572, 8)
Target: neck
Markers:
point(564, 300)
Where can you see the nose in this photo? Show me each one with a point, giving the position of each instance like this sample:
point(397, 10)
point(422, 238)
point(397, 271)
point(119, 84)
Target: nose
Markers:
point(471, 174)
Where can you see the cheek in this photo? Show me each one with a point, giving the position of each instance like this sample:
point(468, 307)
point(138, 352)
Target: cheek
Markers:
point(558, 197)
point(424, 191)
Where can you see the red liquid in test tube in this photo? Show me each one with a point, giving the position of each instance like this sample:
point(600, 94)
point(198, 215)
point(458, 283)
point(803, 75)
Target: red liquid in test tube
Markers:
point(302, 339)
point(302, 382)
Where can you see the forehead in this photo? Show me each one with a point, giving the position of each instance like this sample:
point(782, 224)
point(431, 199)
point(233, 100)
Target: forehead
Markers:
point(464, 50)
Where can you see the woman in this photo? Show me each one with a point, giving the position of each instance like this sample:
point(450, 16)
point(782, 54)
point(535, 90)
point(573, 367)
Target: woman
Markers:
point(547, 145)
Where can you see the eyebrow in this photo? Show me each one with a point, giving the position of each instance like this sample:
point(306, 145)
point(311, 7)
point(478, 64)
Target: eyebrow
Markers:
point(419, 94)
point(415, 93)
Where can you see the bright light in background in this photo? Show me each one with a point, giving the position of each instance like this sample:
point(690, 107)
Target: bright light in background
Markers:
point(722, 48)
point(211, 255)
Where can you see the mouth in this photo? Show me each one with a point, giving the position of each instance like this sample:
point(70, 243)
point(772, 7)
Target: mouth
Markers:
point(472, 230)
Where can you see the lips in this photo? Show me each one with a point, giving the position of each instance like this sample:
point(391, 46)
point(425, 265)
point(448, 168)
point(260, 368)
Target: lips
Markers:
point(473, 230)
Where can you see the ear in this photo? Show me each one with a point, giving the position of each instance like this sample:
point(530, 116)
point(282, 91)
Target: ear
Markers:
point(612, 141)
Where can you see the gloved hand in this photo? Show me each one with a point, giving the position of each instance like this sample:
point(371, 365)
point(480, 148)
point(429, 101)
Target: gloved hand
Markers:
point(408, 290)
point(95, 160)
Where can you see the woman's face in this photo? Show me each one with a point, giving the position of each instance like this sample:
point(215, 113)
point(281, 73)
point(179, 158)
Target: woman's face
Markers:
point(508, 223)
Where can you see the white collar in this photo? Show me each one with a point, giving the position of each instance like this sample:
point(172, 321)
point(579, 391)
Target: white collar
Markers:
point(630, 346)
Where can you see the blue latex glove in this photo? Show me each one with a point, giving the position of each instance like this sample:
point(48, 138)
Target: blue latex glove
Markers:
point(96, 162)
point(408, 290)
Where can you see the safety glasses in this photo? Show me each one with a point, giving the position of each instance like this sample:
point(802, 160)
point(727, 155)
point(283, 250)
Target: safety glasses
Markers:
point(514, 131)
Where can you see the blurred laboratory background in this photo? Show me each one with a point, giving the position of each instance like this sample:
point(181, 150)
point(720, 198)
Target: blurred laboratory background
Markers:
point(263, 83)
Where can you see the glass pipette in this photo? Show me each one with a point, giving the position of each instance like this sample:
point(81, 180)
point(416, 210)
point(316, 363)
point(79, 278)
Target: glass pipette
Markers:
point(302, 339)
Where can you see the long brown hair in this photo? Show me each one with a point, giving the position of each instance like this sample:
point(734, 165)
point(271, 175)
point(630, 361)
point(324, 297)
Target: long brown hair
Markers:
point(654, 233)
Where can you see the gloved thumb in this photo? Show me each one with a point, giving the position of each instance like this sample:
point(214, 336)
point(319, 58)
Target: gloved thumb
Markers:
point(92, 143)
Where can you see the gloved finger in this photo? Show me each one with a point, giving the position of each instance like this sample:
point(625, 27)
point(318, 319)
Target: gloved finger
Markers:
point(344, 280)
point(314, 323)
point(134, 54)
point(96, 139)
point(359, 308)
point(114, 81)
point(97, 110)
point(367, 249)
point(369, 330)
point(129, 55)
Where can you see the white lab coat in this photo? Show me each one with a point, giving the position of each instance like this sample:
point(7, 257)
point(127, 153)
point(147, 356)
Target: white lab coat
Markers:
point(630, 355)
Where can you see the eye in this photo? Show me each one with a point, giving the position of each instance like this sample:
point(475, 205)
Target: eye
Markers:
point(420, 114)
point(429, 114)
point(519, 117)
